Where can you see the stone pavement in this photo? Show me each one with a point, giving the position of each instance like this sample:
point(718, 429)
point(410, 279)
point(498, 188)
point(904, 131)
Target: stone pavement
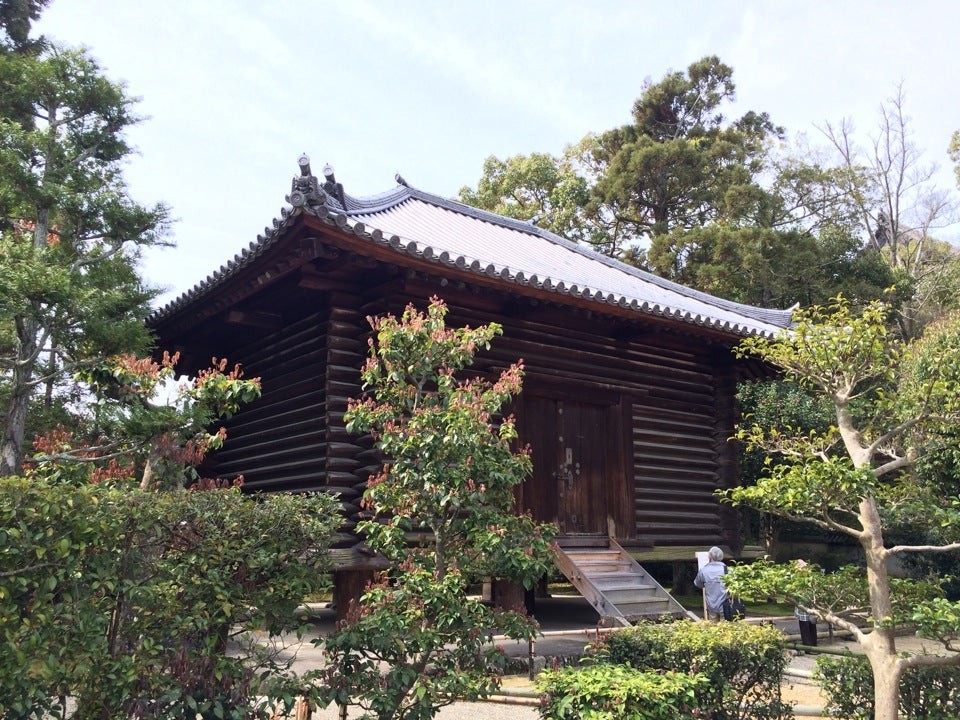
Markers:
point(571, 615)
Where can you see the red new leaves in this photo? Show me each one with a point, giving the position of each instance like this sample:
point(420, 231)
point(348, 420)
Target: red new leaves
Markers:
point(141, 428)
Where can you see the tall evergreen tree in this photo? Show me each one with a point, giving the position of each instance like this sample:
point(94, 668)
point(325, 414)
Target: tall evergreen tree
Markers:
point(70, 292)
point(698, 198)
point(681, 164)
point(16, 19)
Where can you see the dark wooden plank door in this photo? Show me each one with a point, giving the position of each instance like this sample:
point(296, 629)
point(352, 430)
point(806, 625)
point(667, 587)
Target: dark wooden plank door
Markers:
point(569, 440)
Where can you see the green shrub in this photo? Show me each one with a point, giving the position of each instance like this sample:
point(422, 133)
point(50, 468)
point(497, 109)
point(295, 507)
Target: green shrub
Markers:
point(125, 600)
point(743, 663)
point(926, 693)
point(615, 692)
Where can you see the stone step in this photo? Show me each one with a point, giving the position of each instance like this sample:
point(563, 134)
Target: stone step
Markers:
point(654, 606)
point(627, 595)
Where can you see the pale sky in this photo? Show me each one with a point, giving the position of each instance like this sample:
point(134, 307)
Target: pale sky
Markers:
point(235, 91)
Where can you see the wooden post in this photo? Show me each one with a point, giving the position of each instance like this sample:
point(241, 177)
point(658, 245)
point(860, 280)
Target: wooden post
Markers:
point(702, 559)
point(682, 577)
point(531, 656)
point(348, 586)
point(508, 596)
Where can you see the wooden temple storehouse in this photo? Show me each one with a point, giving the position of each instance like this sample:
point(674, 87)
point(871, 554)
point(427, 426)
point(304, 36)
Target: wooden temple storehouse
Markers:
point(628, 398)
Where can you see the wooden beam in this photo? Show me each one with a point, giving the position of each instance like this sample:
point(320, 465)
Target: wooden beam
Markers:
point(254, 318)
point(320, 283)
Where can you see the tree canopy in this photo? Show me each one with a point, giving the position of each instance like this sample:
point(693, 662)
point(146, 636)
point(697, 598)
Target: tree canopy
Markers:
point(70, 292)
point(900, 211)
point(718, 204)
point(16, 19)
point(680, 164)
point(536, 187)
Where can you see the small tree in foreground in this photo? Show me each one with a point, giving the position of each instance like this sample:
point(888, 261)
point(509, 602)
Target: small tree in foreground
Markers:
point(442, 512)
point(892, 402)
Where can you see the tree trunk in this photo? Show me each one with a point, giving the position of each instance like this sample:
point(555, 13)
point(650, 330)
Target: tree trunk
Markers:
point(348, 587)
point(886, 679)
point(508, 595)
point(146, 480)
point(15, 418)
point(880, 645)
point(21, 389)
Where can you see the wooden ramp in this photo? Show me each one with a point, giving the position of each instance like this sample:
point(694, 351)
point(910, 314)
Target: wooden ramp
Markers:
point(615, 584)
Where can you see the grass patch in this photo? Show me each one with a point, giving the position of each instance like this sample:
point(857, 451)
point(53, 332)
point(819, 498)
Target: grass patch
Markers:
point(693, 601)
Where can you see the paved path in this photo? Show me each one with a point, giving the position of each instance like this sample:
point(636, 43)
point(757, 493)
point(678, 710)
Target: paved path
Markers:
point(457, 711)
point(554, 614)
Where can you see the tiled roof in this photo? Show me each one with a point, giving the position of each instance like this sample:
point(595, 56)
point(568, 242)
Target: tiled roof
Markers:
point(449, 233)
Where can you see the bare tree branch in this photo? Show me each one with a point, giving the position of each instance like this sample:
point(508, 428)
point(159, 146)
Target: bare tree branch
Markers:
point(896, 549)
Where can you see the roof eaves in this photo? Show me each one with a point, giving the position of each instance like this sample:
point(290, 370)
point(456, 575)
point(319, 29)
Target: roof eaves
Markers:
point(245, 257)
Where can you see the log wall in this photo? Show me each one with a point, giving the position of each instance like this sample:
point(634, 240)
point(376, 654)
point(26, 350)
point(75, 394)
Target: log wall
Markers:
point(668, 399)
point(279, 441)
point(678, 399)
point(351, 459)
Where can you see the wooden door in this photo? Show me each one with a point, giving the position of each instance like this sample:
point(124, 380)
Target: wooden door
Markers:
point(569, 442)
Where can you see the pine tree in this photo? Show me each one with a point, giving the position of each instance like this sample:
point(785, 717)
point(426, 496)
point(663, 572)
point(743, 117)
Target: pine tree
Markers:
point(70, 292)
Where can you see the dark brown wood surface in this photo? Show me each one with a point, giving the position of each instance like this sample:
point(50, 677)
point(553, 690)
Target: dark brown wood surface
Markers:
point(568, 440)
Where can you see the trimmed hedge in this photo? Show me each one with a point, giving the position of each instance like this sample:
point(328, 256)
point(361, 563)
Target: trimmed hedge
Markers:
point(926, 693)
point(743, 664)
point(616, 692)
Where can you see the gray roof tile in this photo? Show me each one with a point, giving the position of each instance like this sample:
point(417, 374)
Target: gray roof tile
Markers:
point(449, 233)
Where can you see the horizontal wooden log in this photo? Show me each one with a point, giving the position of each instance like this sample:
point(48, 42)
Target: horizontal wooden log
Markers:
point(343, 464)
point(297, 438)
point(340, 479)
point(311, 398)
point(253, 469)
point(283, 482)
